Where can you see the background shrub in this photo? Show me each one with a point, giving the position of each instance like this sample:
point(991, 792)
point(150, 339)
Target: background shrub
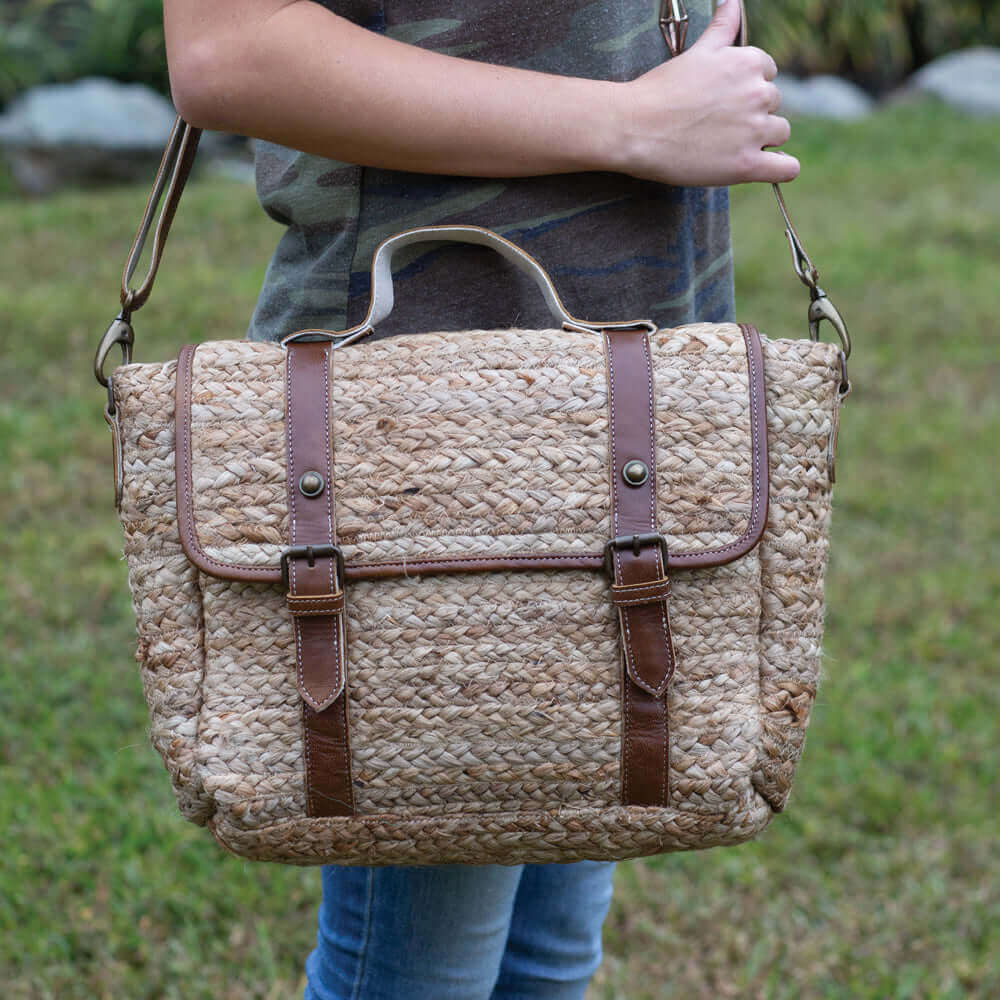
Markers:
point(879, 883)
point(51, 41)
point(876, 43)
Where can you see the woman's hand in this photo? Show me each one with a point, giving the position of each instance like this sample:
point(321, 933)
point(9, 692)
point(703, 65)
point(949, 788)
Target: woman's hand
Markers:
point(704, 117)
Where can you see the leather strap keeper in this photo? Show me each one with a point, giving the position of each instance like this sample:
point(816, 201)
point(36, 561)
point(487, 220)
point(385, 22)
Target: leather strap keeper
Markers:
point(640, 593)
point(321, 604)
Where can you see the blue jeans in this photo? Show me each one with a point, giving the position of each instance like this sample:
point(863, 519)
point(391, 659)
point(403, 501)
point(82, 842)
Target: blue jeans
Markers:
point(457, 932)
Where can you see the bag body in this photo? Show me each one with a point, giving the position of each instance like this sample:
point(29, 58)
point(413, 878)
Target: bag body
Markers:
point(493, 709)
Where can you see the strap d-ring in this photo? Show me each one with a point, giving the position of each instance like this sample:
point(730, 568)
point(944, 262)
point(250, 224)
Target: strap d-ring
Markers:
point(821, 308)
point(674, 25)
point(120, 333)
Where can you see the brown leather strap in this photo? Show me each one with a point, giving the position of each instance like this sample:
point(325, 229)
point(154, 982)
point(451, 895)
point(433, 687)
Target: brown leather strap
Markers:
point(314, 573)
point(637, 561)
point(175, 168)
point(178, 158)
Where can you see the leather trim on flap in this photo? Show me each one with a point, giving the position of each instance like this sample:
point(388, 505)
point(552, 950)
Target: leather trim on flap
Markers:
point(380, 568)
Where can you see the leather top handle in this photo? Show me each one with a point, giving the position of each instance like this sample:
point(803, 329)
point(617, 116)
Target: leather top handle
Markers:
point(381, 301)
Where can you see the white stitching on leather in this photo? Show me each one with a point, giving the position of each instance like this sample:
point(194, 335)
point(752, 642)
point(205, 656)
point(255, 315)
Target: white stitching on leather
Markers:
point(625, 674)
point(660, 568)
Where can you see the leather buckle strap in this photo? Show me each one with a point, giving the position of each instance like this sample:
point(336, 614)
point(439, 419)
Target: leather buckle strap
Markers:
point(312, 569)
point(636, 560)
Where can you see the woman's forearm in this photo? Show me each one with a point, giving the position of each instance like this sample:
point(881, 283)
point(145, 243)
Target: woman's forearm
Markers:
point(296, 74)
point(308, 79)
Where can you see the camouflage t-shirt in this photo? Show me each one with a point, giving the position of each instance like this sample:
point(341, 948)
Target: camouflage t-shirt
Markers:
point(616, 247)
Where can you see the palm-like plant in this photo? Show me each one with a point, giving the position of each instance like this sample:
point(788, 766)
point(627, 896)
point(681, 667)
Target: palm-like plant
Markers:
point(875, 42)
point(55, 40)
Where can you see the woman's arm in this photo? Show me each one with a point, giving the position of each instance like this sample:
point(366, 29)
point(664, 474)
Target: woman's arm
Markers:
point(293, 72)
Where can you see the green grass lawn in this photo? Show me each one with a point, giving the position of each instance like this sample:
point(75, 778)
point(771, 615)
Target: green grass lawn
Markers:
point(881, 880)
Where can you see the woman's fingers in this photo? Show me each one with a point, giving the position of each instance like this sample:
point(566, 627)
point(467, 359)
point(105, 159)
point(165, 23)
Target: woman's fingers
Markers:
point(767, 64)
point(723, 28)
point(778, 131)
point(708, 117)
point(775, 168)
point(773, 98)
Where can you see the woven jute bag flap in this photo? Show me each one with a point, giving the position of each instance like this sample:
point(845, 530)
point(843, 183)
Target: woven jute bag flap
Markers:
point(477, 596)
point(472, 450)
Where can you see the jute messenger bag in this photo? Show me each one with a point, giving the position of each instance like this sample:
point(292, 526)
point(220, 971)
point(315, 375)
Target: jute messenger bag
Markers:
point(478, 596)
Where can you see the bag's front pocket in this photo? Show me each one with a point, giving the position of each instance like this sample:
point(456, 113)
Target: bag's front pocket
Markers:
point(790, 637)
point(250, 742)
point(713, 701)
point(164, 584)
point(171, 658)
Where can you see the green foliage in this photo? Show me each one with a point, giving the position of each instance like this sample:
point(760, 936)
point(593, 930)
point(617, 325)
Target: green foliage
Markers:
point(875, 42)
point(879, 883)
point(27, 55)
point(49, 41)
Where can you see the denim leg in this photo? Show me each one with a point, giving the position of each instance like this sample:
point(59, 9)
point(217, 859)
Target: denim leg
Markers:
point(411, 933)
point(554, 945)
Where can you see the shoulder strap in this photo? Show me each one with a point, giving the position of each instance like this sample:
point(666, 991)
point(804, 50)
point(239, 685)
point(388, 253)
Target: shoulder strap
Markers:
point(178, 158)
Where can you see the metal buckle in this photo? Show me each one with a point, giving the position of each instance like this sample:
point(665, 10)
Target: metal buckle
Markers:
point(635, 543)
point(312, 553)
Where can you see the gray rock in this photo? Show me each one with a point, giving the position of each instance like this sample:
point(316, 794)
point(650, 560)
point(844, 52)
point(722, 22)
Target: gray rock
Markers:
point(90, 130)
point(969, 79)
point(239, 168)
point(823, 97)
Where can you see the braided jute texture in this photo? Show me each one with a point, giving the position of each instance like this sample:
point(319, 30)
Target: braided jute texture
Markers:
point(484, 707)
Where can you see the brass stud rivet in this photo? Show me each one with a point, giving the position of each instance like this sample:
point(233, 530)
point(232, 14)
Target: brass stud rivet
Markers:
point(635, 472)
point(311, 484)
